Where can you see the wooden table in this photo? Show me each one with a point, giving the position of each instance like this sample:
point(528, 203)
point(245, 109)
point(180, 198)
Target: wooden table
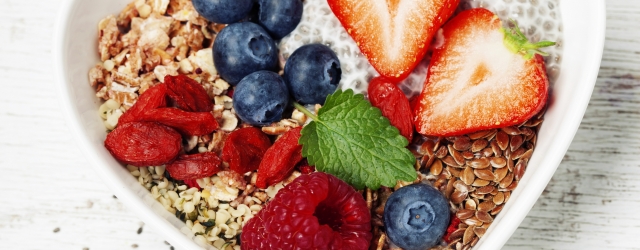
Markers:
point(50, 198)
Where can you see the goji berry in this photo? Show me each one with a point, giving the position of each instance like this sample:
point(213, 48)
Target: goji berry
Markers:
point(280, 159)
point(188, 94)
point(386, 96)
point(244, 149)
point(188, 123)
point(195, 166)
point(144, 143)
point(453, 226)
point(154, 97)
point(192, 183)
point(304, 168)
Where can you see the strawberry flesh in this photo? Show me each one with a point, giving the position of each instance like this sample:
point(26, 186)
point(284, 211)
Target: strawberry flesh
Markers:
point(394, 35)
point(475, 82)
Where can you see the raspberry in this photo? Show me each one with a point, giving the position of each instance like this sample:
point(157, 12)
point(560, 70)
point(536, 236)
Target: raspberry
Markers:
point(315, 211)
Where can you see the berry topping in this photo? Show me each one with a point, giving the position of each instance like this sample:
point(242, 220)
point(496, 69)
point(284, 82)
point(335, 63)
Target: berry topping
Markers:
point(280, 159)
point(393, 35)
point(187, 94)
point(315, 211)
point(279, 17)
point(195, 166)
point(223, 11)
point(244, 149)
point(393, 103)
point(311, 73)
point(144, 143)
point(481, 77)
point(416, 217)
point(260, 98)
point(241, 49)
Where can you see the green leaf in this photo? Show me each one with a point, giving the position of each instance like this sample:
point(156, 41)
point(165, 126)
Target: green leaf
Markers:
point(353, 141)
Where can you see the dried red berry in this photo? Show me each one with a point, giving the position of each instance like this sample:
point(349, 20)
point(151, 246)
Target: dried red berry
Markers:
point(280, 159)
point(192, 183)
point(453, 226)
point(195, 166)
point(188, 94)
point(144, 143)
point(188, 123)
point(244, 149)
point(386, 96)
point(154, 97)
point(304, 168)
point(315, 211)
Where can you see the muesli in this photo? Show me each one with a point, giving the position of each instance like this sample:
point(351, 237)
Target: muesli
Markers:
point(217, 159)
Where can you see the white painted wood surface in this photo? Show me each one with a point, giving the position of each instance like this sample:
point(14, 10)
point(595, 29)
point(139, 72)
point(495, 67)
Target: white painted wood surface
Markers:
point(51, 199)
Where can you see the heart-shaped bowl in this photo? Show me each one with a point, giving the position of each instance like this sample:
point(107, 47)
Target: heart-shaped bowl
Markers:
point(75, 52)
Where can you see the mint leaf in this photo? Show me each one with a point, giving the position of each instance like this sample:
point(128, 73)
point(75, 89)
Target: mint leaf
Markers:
point(353, 141)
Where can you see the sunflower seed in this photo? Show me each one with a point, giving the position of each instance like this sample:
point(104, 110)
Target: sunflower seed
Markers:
point(479, 145)
point(519, 169)
point(511, 130)
point(500, 173)
point(442, 152)
point(486, 206)
point(515, 142)
point(506, 181)
point(468, 235)
point(457, 156)
point(502, 139)
point(498, 199)
point(468, 177)
point(484, 216)
point(427, 148)
point(517, 154)
point(436, 167)
point(457, 234)
point(462, 143)
point(464, 214)
point(479, 134)
point(457, 197)
point(497, 210)
point(485, 190)
point(479, 231)
point(498, 162)
point(495, 148)
point(480, 163)
point(450, 161)
point(484, 174)
point(460, 186)
point(470, 204)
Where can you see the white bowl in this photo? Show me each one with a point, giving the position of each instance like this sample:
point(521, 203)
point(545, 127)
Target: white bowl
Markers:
point(75, 53)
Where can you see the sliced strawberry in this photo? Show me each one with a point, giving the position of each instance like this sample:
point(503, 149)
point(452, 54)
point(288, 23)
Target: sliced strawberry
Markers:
point(393, 34)
point(482, 77)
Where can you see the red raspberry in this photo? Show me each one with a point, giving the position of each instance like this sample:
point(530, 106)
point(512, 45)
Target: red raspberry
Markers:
point(315, 211)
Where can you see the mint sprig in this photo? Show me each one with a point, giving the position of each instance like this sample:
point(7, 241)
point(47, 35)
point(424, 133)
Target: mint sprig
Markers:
point(353, 141)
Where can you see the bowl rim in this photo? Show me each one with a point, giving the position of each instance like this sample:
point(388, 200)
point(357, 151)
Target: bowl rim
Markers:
point(572, 117)
point(505, 222)
point(117, 185)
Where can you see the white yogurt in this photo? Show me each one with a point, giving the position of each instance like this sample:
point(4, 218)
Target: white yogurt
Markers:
point(538, 19)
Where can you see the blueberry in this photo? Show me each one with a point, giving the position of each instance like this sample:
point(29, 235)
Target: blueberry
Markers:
point(260, 98)
point(241, 49)
point(312, 72)
point(416, 217)
point(279, 17)
point(223, 11)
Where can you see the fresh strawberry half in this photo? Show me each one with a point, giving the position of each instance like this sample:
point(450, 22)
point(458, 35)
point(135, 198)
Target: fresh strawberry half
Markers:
point(483, 76)
point(394, 35)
